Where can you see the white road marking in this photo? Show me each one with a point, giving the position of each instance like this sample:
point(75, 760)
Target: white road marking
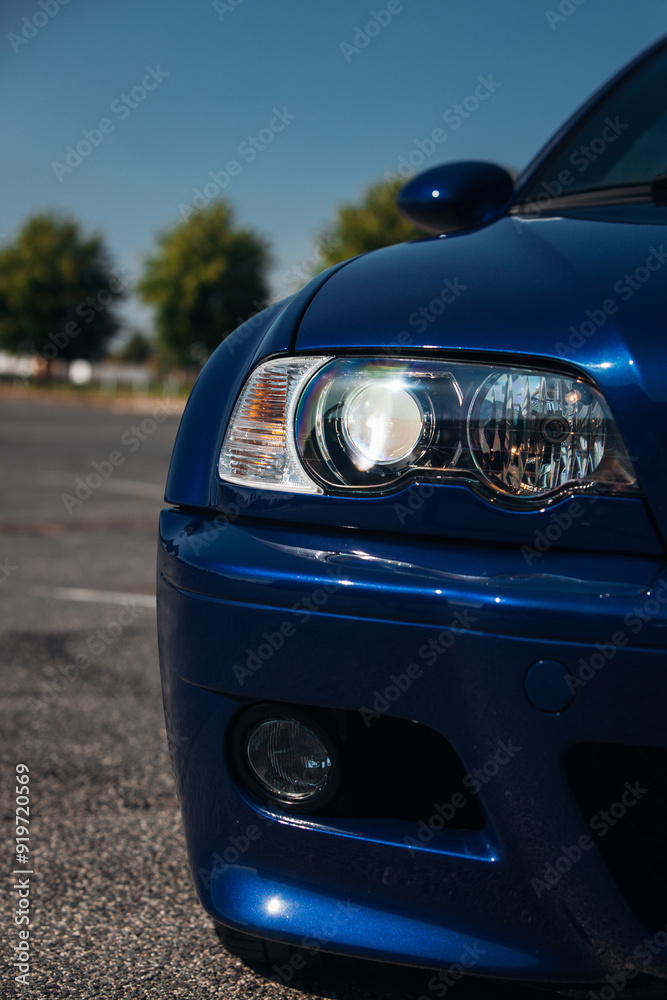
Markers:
point(95, 596)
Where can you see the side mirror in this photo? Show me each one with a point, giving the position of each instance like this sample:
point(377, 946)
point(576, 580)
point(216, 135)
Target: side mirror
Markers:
point(453, 196)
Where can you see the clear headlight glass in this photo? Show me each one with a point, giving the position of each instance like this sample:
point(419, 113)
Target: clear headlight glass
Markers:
point(371, 425)
point(259, 448)
point(533, 433)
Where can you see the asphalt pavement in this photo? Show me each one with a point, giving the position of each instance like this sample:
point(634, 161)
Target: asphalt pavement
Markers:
point(111, 907)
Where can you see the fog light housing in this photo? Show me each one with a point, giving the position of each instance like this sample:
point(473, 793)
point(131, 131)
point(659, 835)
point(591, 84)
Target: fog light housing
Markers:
point(287, 760)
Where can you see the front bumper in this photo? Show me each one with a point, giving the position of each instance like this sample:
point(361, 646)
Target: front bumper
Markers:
point(474, 619)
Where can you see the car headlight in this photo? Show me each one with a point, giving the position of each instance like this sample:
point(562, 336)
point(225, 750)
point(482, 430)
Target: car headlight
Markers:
point(371, 425)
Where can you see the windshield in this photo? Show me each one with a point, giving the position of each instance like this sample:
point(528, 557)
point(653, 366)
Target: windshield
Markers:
point(620, 142)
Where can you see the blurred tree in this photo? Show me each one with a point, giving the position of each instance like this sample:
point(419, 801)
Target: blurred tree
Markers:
point(57, 290)
point(205, 279)
point(137, 349)
point(373, 223)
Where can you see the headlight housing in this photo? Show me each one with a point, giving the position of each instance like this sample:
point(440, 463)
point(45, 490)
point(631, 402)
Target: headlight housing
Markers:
point(369, 426)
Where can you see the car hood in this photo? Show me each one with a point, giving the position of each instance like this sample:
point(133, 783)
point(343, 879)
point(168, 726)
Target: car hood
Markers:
point(588, 292)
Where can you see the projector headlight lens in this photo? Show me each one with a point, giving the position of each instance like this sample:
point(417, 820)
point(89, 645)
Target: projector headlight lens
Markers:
point(381, 425)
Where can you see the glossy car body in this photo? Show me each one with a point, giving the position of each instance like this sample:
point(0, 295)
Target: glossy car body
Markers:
point(490, 823)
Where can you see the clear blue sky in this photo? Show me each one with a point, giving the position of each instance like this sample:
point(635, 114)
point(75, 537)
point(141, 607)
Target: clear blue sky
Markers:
point(230, 63)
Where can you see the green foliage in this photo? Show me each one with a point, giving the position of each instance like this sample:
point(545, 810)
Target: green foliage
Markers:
point(204, 280)
point(136, 350)
point(57, 290)
point(373, 223)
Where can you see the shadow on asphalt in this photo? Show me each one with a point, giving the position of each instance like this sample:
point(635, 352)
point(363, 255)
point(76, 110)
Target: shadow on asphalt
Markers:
point(335, 976)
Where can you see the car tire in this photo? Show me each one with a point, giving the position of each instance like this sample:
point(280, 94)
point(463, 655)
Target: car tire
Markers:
point(254, 950)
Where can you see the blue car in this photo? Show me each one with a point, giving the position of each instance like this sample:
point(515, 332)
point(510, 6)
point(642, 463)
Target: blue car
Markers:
point(412, 589)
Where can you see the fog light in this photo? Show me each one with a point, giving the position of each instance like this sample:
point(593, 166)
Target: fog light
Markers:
point(289, 760)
